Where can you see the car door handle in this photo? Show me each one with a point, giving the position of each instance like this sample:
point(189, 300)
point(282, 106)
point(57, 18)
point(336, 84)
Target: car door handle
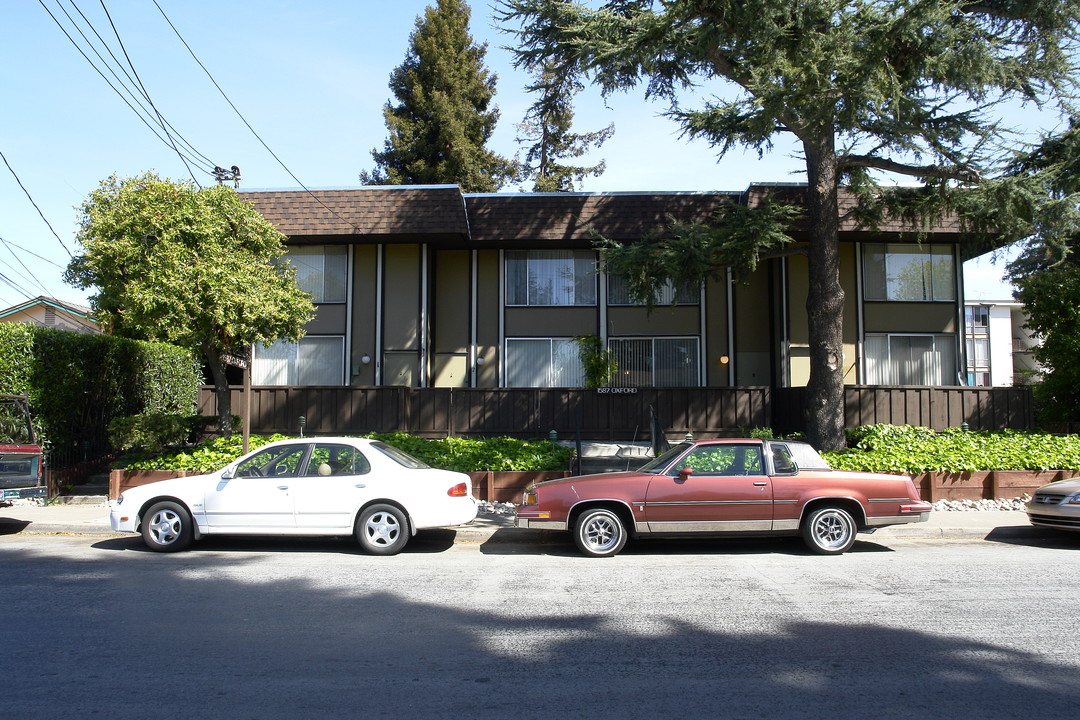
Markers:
point(760, 483)
point(360, 485)
point(282, 487)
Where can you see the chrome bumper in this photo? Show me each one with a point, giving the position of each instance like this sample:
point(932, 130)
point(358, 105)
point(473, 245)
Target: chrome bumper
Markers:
point(534, 524)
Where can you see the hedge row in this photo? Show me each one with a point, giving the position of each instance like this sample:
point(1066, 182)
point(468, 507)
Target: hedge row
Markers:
point(78, 383)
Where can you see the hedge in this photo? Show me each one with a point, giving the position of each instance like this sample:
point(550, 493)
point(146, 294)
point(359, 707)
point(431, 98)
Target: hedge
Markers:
point(77, 383)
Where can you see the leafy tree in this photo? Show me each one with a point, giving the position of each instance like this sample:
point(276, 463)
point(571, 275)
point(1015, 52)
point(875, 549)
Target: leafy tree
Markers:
point(439, 128)
point(901, 87)
point(1047, 271)
point(547, 126)
point(198, 268)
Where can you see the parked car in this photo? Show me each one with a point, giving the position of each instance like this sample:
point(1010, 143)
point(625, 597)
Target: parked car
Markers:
point(313, 486)
point(1056, 505)
point(745, 487)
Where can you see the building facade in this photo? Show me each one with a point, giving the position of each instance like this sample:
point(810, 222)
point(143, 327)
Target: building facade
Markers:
point(999, 348)
point(429, 287)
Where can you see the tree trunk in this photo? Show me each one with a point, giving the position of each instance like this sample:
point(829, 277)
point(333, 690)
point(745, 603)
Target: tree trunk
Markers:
point(824, 302)
point(221, 389)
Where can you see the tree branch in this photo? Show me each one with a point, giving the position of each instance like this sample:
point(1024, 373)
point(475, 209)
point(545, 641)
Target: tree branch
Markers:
point(935, 171)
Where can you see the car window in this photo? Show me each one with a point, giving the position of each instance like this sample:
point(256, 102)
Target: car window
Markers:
point(657, 464)
point(330, 460)
point(279, 461)
point(783, 463)
point(723, 460)
point(402, 458)
point(806, 457)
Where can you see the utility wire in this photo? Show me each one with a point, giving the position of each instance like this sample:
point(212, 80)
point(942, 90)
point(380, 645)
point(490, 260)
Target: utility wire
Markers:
point(131, 65)
point(29, 274)
point(246, 123)
point(35, 204)
point(167, 127)
point(113, 87)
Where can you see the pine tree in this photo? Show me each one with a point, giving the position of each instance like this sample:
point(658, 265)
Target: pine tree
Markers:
point(444, 116)
point(547, 126)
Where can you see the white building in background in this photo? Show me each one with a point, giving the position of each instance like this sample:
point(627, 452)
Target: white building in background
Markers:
point(998, 346)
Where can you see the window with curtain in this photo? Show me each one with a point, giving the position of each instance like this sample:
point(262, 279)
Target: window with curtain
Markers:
point(656, 362)
point(619, 294)
point(550, 277)
point(321, 271)
point(910, 359)
point(909, 273)
point(543, 362)
point(312, 361)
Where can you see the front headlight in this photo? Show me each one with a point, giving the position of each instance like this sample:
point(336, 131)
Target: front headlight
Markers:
point(1073, 499)
point(120, 500)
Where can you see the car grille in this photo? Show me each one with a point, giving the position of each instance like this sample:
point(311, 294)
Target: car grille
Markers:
point(1048, 499)
point(1055, 521)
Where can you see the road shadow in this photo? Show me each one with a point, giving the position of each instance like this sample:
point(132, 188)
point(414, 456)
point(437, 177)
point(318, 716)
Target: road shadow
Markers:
point(1031, 536)
point(11, 526)
point(425, 541)
point(546, 542)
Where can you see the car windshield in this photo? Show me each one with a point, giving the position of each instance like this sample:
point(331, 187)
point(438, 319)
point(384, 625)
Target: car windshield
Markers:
point(657, 464)
point(402, 458)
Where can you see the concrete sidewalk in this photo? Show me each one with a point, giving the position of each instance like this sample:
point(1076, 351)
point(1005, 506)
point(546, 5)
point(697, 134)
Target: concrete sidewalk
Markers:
point(499, 527)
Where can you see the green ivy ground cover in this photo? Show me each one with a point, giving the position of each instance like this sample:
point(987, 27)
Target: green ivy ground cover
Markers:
point(910, 450)
point(461, 454)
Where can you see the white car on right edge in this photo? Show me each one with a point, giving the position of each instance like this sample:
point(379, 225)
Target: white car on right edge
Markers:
point(1056, 505)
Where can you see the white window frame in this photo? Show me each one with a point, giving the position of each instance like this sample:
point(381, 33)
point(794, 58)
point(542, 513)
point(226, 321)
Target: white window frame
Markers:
point(624, 377)
point(314, 264)
point(288, 362)
point(934, 285)
point(570, 374)
point(944, 348)
point(668, 294)
point(538, 283)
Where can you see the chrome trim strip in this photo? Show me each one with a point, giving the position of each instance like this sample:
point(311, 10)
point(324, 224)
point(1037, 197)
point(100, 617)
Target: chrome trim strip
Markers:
point(889, 500)
point(792, 524)
point(540, 524)
point(897, 519)
point(714, 526)
point(785, 502)
point(708, 502)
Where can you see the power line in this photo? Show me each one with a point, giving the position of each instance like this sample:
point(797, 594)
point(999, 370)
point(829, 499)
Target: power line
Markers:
point(246, 123)
point(29, 274)
point(34, 204)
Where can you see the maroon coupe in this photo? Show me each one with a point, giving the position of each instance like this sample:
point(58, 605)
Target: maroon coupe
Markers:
point(746, 487)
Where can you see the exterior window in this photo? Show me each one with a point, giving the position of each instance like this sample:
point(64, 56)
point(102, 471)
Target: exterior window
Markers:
point(977, 342)
point(910, 359)
point(656, 362)
point(977, 319)
point(312, 361)
point(550, 277)
point(321, 271)
point(619, 294)
point(543, 362)
point(909, 273)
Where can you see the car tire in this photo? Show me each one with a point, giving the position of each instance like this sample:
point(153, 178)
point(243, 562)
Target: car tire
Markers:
point(167, 527)
point(829, 530)
point(382, 530)
point(599, 532)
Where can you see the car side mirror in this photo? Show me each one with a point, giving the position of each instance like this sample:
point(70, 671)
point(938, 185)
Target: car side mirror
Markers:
point(685, 473)
point(227, 474)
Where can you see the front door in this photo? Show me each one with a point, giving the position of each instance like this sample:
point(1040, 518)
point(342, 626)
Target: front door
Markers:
point(727, 490)
point(258, 498)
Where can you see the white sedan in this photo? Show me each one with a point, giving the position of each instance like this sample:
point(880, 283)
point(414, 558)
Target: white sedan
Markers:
point(306, 486)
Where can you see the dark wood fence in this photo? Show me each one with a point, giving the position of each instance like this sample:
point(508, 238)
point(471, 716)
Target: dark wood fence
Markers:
point(610, 414)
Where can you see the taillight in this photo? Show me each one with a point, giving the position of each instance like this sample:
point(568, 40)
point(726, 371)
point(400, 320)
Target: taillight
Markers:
point(459, 490)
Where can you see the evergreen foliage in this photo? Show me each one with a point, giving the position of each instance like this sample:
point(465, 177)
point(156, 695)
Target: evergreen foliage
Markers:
point(1047, 271)
point(196, 267)
point(443, 117)
point(547, 126)
point(866, 87)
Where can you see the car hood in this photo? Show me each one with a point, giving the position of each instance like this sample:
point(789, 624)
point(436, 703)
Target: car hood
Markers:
point(172, 486)
point(1062, 486)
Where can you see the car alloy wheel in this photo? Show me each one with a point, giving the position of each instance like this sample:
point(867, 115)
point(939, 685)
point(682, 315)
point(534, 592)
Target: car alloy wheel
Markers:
point(382, 530)
point(166, 527)
point(829, 531)
point(599, 533)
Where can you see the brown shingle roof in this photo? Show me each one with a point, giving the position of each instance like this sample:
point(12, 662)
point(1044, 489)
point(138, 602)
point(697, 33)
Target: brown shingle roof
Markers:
point(383, 211)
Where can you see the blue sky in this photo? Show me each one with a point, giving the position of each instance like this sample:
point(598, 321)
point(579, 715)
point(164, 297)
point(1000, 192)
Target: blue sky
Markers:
point(310, 77)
